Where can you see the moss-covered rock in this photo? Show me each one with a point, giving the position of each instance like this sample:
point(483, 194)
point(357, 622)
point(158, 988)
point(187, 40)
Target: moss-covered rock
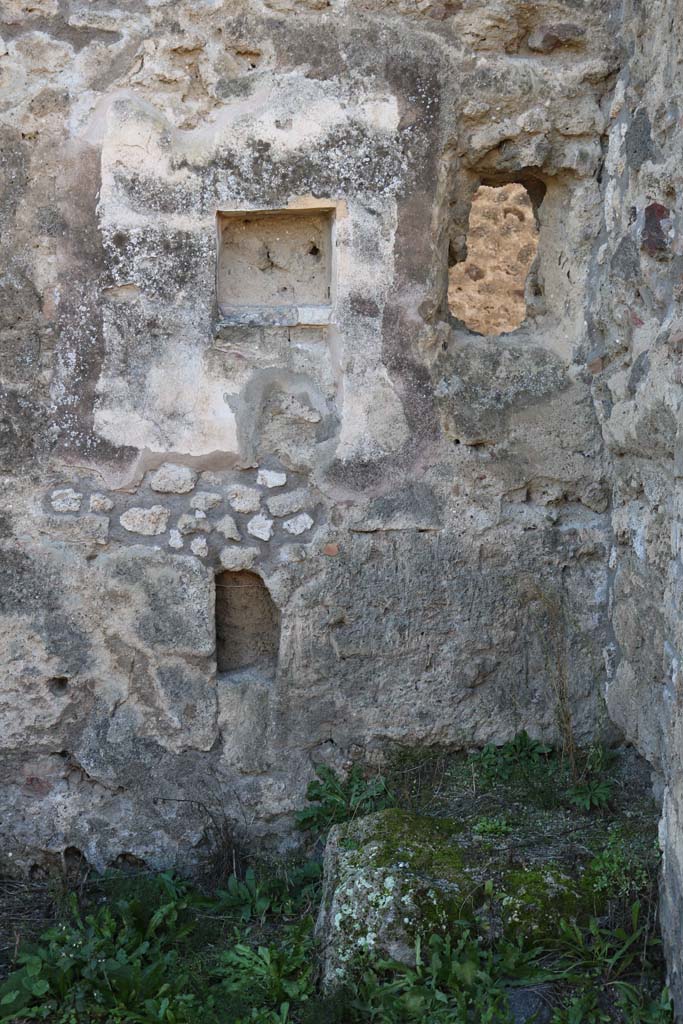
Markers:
point(394, 876)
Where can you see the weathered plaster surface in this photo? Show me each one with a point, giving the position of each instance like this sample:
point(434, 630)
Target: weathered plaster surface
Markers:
point(465, 535)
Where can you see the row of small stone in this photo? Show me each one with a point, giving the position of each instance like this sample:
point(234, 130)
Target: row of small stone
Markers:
point(176, 479)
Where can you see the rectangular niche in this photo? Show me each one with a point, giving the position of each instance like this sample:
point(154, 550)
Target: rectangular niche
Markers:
point(488, 290)
point(247, 624)
point(274, 267)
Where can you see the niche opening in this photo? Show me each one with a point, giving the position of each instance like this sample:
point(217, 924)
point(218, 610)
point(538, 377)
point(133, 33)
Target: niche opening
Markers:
point(275, 266)
point(247, 624)
point(487, 290)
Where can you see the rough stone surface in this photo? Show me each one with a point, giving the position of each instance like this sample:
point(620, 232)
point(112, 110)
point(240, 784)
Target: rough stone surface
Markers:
point(287, 504)
point(191, 523)
point(199, 546)
point(394, 877)
point(204, 501)
point(498, 519)
point(66, 500)
point(100, 503)
point(261, 527)
point(172, 479)
point(146, 521)
point(244, 499)
point(271, 478)
point(299, 524)
point(236, 559)
point(227, 527)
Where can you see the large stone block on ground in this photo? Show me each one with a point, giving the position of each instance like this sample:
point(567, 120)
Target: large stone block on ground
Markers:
point(392, 877)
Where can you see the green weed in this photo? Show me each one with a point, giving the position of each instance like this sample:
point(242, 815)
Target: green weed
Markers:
point(334, 799)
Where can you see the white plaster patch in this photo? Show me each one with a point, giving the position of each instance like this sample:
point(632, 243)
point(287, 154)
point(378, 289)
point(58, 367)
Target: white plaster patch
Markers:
point(260, 526)
point(271, 478)
point(66, 500)
point(100, 503)
point(173, 479)
point(147, 521)
point(299, 524)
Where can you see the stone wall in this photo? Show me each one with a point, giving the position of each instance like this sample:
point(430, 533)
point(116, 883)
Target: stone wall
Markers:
point(635, 334)
point(462, 535)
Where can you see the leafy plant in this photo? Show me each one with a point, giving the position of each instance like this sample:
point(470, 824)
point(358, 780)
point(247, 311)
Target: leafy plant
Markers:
point(492, 827)
point(455, 982)
point(245, 898)
point(639, 1008)
point(611, 954)
point(580, 1009)
point(123, 958)
point(594, 793)
point(335, 799)
point(621, 872)
point(270, 974)
point(520, 755)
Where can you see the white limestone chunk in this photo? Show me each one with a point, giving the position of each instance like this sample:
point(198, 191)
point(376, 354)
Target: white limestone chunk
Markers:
point(191, 524)
point(175, 540)
point(292, 553)
point(204, 501)
point(100, 503)
point(244, 499)
point(199, 547)
point(260, 526)
point(299, 524)
point(228, 527)
point(271, 478)
point(66, 500)
point(287, 504)
point(173, 479)
point(234, 559)
point(147, 521)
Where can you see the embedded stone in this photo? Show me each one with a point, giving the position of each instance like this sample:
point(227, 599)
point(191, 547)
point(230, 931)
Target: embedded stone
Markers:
point(175, 540)
point(234, 558)
point(299, 524)
point(271, 478)
point(244, 499)
point(655, 238)
point(547, 38)
point(147, 521)
point(260, 526)
point(287, 504)
point(204, 501)
point(100, 503)
point(199, 547)
point(66, 500)
point(596, 498)
point(228, 528)
point(173, 479)
point(192, 524)
point(292, 553)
